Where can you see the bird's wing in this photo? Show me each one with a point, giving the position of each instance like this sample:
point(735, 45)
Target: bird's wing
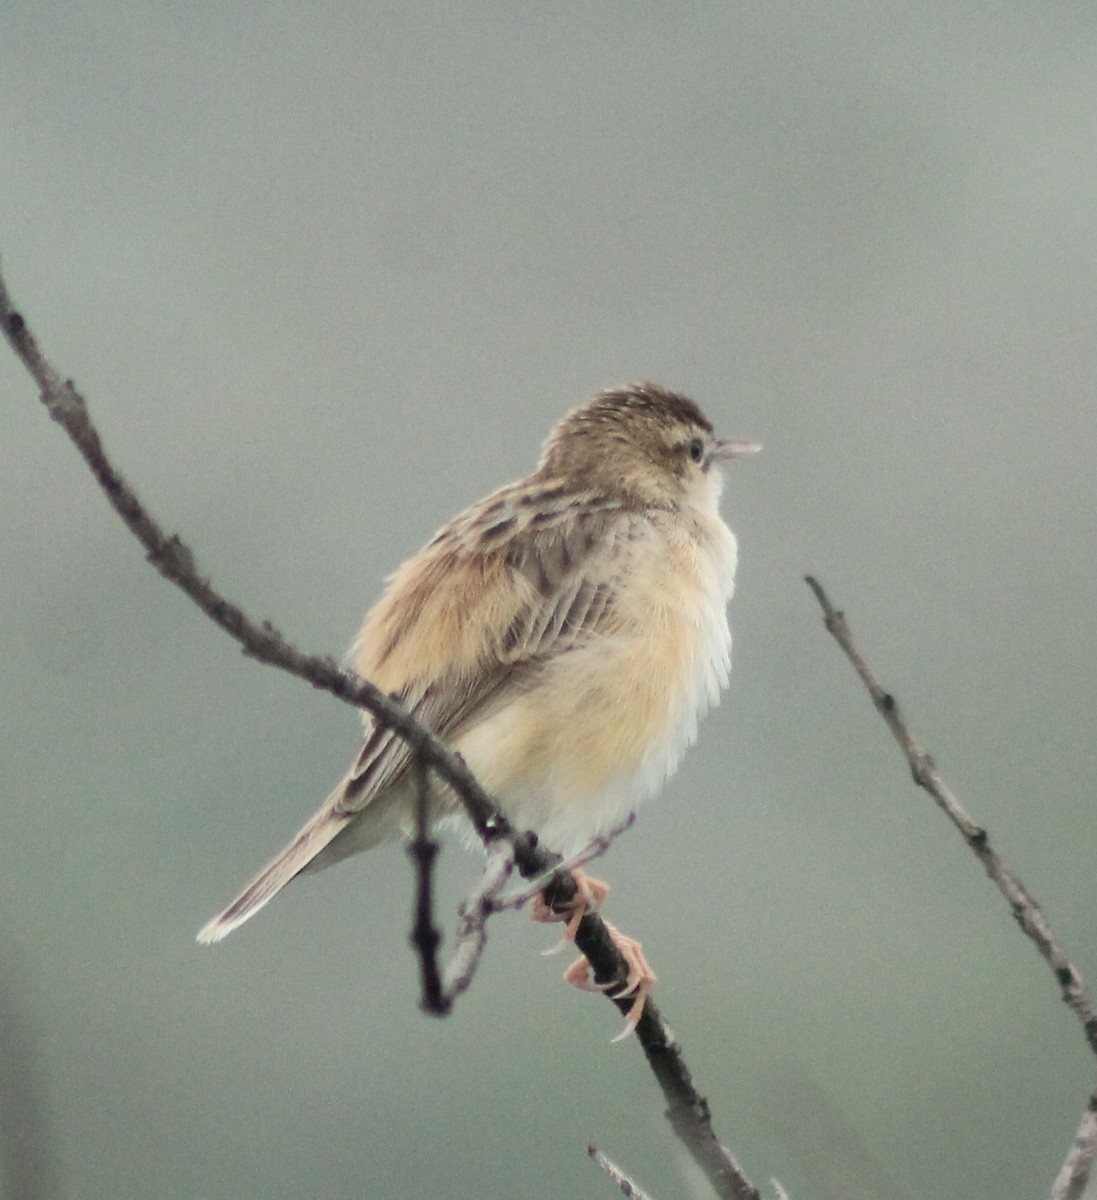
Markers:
point(546, 589)
point(457, 629)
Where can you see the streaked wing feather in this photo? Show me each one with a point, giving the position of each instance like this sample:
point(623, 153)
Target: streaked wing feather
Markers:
point(573, 566)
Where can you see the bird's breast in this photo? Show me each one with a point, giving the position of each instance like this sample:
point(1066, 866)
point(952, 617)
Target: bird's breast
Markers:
point(605, 723)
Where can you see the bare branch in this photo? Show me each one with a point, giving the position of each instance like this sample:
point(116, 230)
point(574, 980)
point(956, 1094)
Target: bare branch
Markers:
point(1024, 908)
point(472, 934)
point(687, 1110)
point(425, 938)
point(1073, 1175)
point(628, 1186)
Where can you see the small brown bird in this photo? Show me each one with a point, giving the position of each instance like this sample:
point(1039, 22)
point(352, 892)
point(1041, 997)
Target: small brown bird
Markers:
point(564, 635)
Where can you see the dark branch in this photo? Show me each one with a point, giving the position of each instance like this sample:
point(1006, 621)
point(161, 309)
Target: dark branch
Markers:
point(687, 1110)
point(425, 938)
point(1023, 907)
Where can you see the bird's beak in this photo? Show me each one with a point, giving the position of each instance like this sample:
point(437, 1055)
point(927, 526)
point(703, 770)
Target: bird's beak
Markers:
point(728, 448)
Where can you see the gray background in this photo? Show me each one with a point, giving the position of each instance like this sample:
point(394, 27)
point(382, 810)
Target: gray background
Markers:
point(327, 275)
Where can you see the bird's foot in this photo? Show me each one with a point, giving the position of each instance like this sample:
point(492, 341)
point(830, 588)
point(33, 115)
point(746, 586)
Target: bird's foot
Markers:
point(638, 981)
point(639, 978)
point(590, 895)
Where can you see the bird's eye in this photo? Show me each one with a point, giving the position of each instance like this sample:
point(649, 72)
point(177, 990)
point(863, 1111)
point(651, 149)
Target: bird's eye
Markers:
point(695, 447)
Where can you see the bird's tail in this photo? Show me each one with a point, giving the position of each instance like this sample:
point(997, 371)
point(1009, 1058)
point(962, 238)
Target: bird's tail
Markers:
point(327, 824)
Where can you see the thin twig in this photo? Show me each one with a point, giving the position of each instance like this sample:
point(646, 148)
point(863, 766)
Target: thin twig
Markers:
point(628, 1185)
point(688, 1111)
point(593, 850)
point(472, 934)
point(425, 938)
point(1073, 1175)
point(1024, 908)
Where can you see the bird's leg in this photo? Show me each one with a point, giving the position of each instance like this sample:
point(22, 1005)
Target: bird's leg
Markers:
point(590, 894)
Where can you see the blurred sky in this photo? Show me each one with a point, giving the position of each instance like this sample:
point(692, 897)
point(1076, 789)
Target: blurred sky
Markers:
point(328, 273)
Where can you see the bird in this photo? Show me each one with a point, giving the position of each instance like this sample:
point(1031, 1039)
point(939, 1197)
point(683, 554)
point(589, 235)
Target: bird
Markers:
point(564, 635)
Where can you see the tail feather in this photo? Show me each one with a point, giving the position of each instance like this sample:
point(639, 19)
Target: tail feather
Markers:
point(323, 827)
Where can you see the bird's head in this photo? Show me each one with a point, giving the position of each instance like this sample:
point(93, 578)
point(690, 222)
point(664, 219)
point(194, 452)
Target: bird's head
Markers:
point(643, 444)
